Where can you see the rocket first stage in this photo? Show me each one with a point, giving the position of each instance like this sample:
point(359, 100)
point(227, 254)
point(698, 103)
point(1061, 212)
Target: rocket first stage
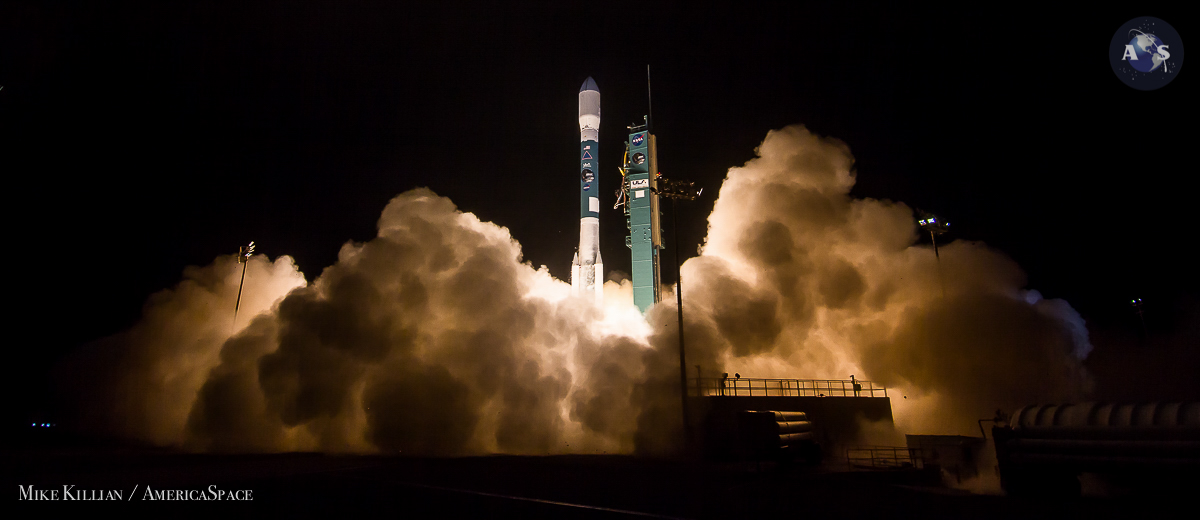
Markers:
point(587, 270)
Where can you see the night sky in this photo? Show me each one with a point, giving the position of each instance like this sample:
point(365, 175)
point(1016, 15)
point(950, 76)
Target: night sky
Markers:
point(143, 137)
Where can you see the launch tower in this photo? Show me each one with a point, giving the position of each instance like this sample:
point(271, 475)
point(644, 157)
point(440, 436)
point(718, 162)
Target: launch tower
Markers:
point(639, 196)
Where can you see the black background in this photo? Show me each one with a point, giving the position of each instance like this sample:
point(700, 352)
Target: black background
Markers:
point(142, 137)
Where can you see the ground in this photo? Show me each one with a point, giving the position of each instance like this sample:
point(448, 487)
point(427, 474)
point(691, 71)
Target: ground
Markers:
point(603, 486)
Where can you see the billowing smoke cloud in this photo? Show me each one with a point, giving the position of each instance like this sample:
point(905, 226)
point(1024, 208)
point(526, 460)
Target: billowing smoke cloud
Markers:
point(436, 338)
point(432, 338)
point(798, 279)
point(141, 383)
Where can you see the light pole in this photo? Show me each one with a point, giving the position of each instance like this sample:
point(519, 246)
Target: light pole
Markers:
point(935, 227)
point(244, 253)
point(677, 190)
point(1137, 307)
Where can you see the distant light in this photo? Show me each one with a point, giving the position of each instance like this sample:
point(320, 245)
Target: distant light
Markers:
point(931, 221)
point(922, 222)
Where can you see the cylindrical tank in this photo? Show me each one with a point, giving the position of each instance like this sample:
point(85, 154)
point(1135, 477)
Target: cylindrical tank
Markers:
point(793, 427)
point(1047, 446)
point(777, 434)
point(790, 416)
point(1093, 414)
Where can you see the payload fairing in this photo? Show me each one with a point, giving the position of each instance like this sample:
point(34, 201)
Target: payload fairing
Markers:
point(587, 269)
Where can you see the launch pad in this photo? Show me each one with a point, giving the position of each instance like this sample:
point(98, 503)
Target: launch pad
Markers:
point(836, 408)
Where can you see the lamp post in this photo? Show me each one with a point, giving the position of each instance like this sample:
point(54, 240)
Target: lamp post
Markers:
point(935, 227)
point(1137, 307)
point(679, 190)
point(244, 253)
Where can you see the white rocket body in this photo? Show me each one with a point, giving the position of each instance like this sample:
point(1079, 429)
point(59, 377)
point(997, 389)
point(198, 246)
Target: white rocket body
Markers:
point(587, 269)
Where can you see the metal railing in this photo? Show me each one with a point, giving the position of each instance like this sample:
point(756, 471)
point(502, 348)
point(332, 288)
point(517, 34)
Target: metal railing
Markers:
point(748, 386)
point(884, 457)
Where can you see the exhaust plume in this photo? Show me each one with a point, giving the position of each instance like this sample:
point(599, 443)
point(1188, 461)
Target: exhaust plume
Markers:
point(798, 279)
point(141, 383)
point(436, 337)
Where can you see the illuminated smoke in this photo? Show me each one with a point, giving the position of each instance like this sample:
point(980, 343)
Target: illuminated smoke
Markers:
point(436, 337)
point(798, 279)
point(141, 383)
point(433, 338)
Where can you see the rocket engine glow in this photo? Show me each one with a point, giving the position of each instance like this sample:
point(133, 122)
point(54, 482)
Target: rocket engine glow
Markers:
point(587, 269)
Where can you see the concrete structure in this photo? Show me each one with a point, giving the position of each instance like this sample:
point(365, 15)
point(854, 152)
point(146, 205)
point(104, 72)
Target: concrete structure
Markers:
point(836, 416)
point(957, 457)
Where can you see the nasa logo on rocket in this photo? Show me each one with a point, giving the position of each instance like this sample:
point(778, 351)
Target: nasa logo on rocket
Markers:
point(587, 268)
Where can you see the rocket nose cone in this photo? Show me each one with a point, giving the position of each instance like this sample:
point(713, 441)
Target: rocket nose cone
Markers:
point(589, 84)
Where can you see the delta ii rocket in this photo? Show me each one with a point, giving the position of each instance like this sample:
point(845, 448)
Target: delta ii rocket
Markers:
point(587, 270)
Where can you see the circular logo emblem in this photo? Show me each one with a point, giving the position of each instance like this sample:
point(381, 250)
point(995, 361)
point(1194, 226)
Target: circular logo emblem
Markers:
point(587, 187)
point(638, 139)
point(588, 175)
point(639, 158)
point(1146, 53)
